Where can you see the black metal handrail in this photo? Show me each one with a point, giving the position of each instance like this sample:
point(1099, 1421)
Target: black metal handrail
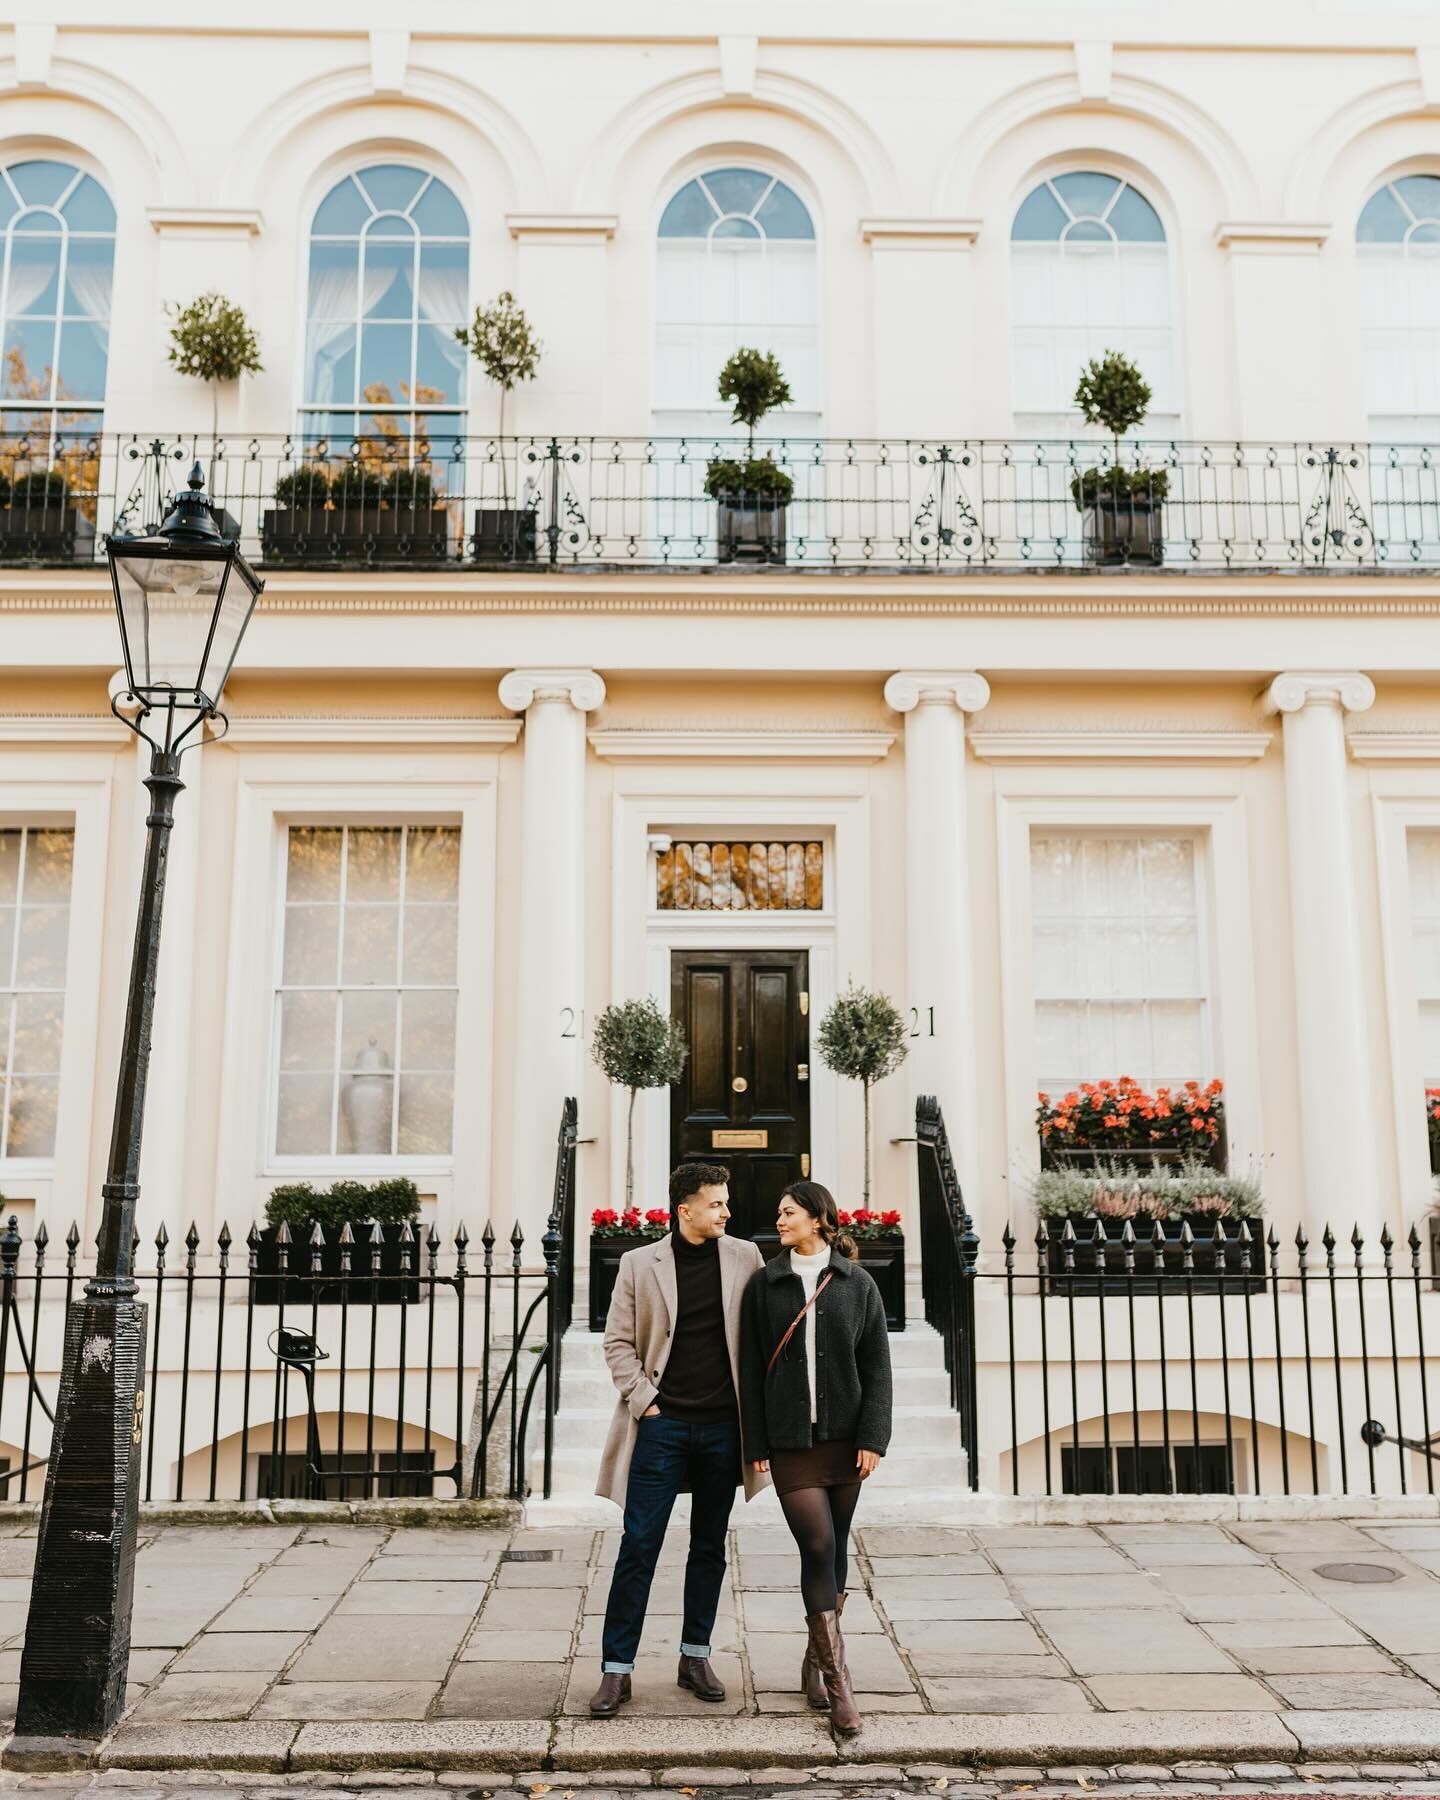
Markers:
point(954, 504)
point(949, 1251)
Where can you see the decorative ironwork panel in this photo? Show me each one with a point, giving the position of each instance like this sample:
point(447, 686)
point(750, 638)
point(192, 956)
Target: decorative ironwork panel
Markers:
point(696, 877)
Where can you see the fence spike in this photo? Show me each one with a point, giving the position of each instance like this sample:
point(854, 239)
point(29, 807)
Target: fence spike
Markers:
point(462, 1241)
point(10, 1244)
point(1327, 1238)
point(376, 1241)
point(1357, 1242)
point(162, 1237)
point(407, 1235)
point(1042, 1237)
point(1387, 1245)
point(1157, 1236)
point(223, 1238)
point(192, 1244)
point(347, 1236)
point(487, 1236)
point(42, 1236)
point(72, 1238)
point(432, 1250)
point(1414, 1238)
point(1007, 1237)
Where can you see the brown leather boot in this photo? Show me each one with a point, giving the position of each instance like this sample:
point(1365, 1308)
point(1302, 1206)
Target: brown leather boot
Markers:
point(825, 1645)
point(696, 1674)
point(610, 1696)
point(812, 1682)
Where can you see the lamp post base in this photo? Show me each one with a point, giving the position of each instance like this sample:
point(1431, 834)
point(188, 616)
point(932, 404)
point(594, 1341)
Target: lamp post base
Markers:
point(77, 1638)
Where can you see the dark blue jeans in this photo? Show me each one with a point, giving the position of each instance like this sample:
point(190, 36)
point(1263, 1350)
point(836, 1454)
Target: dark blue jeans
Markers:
point(671, 1455)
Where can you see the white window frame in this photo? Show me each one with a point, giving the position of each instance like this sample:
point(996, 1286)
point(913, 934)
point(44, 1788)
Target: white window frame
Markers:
point(1201, 867)
point(429, 1162)
point(363, 788)
point(1201, 803)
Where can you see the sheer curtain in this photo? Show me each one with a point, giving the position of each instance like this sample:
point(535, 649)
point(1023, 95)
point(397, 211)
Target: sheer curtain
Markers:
point(332, 311)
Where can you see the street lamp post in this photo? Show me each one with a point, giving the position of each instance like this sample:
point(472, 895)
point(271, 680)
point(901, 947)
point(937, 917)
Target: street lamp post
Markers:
point(183, 597)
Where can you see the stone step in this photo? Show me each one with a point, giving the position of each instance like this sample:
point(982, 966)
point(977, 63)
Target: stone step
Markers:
point(878, 1506)
point(918, 1346)
point(585, 1390)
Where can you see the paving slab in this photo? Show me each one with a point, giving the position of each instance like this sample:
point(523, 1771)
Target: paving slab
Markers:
point(799, 1742)
point(913, 1540)
point(432, 1568)
point(1121, 1642)
point(1383, 1735)
point(956, 1660)
point(516, 1646)
point(1291, 1603)
point(1003, 1637)
point(795, 1702)
point(1243, 1635)
point(1320, 1659)
point(432, 1599)
point(301, 1613)
point(967, 1563)
point(786, 1612)
point(1183, 1693)
point(1353, 1692)
point(1080, 1559)
point(223, 1652)
point(348, 1700)
point(220, 1696)
point(766, 1571)
point(775, 1659)
point(976, 1597)
point(547, 1609)
point(1405, 1625)
point(510, 1690)
point(139, 1744)
point(1224, 1578)
point(1090, 1591)
point(1303, 1535)
point(1004, 1694)
point(408, 1649)
point(1427, 1667)
point(429, 1744)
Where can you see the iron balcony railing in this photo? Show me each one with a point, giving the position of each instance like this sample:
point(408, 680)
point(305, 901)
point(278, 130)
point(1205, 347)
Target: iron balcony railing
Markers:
point(950, 505)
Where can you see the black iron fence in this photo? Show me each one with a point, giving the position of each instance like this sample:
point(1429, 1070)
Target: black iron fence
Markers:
point(377, 1363)
point(595, 502)
point(1131, 1356)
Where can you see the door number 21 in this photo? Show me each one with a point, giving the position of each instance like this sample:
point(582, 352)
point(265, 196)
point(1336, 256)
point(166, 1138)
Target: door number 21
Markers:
point(922, 1021)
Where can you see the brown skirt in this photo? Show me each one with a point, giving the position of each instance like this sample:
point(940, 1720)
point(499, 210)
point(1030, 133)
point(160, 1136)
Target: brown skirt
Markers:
point(823, 1465)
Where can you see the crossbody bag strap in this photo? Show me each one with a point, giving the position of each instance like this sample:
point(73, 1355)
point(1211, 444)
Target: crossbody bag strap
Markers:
point(795, 1322)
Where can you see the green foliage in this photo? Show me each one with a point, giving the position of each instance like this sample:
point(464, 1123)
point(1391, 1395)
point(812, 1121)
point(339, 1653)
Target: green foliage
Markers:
point(1119, 484)
point(862, 1037)
point(298, 1205)
point(411, 487)
point(1166, 1191)
point(211, 339)
point(41, 487)
point(759, 477)
point(357, 485)
point(637, 1046)
point(1113, 393)
point(4, 490)
point(307, 486)
point(755, 384)
point(501, 340)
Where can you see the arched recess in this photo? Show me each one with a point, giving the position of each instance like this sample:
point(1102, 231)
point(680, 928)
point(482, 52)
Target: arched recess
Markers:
point(266, 1457)
point(1397, 250)
point(1113, 1437)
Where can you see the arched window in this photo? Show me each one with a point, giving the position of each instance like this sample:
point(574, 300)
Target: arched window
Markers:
point(1398, 244)
point(1089, 273)
point(736, 267)
point(389, 283)
point(59, 257)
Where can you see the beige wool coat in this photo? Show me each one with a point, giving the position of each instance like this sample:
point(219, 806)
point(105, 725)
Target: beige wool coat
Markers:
point(638, 1336)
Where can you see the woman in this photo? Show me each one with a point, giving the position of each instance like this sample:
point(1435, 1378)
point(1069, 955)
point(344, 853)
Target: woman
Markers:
point(815, 1412)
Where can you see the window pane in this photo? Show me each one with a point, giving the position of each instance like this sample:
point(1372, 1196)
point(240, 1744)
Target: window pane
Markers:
point(343, 211)
point(385, 363)
point(88, 266)
point(426, 1105)
point(34, 1102)
point(783, 214)
point(1085, 192)
point(439, 214)
point(84, 349)
point(8, 916)
point(302, 1123)
point(48, 861)
point(371, 933)
point(34, 277)
point(44, 931)
point(388, 274)
point(439, 365)
point(390, 187)
point(311, 939)
point(367, 1032)
point(41, 183)
point(1041, 218)
point(89, 208)
point(38, 1020)
point(307, 1031)
point(313, 866)
point(430, 943)
point(432, 869)
point(689, 215)
point(429, 1031)
point(9, 868)
point(1382, 220)
point(374, 871)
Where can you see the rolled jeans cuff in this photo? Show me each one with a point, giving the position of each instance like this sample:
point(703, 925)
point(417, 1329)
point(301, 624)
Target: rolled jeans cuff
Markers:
point(614, 1668)
point(701, 1650)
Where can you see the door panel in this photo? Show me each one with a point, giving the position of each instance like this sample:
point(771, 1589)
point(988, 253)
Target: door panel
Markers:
point(749, 1043)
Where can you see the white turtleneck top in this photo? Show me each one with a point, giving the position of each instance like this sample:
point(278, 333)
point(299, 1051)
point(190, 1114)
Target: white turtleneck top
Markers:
point(810, 1269)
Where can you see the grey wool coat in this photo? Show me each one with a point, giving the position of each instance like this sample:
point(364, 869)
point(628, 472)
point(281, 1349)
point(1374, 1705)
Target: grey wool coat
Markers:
point(638, 1336)
point(852, 1362)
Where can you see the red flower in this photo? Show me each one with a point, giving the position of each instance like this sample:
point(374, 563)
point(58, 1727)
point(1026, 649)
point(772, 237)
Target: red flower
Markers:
point(890, 1218)
point(657, 1216)
point(604, 1215)
point(844, 1218)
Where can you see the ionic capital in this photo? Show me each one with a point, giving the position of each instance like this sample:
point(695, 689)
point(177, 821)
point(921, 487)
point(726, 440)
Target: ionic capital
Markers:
point(1351, 691)
point(583, 688)
point(910, 688)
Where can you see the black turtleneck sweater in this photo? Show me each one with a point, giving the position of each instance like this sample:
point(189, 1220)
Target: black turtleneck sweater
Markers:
point(696, 1385)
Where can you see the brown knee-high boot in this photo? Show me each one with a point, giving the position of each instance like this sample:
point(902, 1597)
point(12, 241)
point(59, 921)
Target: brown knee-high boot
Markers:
point(826, 1648)
point(812, 1682)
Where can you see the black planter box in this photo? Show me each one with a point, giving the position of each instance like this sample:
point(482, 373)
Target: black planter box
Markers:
point(356, 534)
point(48, 533)
point(1125, 531)
point(750, 528)
point(1432, 1226)
point(398, 1283)
point(503, 535)
point(605, 1254)
point(1152, 1274)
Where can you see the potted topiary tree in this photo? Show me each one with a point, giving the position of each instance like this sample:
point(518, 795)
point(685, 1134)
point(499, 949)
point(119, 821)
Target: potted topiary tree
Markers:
point(862, 1038)
point(501, 340)
point(355, 1218)
point(1122, 508)
point(39, 520)
point(752, 496)
point(636, 1045)
point(211, 339)
point(297, 527)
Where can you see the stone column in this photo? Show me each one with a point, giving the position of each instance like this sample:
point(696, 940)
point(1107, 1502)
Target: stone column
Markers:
point(1337, 1141)
point(937, 913)
point(550, 985)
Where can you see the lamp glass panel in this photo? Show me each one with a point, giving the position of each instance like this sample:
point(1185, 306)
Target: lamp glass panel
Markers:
point(235, 601)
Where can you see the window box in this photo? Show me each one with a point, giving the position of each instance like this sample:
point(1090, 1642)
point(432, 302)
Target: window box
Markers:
point(398, 1283)
point(1432, 1231)
point(1083, 1275)
point(1130, 529)
point(357, 534)
point(750, 528)
point(504, 535)
point(48, 533)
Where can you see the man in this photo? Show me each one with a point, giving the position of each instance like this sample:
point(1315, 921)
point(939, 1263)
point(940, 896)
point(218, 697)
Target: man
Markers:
point(672, 1340)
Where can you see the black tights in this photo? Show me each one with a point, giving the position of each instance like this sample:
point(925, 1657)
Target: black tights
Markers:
point(819, 1521)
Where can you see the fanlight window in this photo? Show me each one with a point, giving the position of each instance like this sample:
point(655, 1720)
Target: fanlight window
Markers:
point(388, 285)
point(1398, 245)
point(736, 266)
point(1090, 272)
point(740, 877)
point(58, 227)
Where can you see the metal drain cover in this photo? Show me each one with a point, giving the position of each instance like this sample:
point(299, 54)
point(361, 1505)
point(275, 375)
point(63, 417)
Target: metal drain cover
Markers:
point(1360, 1572)
point(527, 1556)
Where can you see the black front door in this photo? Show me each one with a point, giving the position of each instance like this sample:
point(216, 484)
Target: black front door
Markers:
point(744, 1099)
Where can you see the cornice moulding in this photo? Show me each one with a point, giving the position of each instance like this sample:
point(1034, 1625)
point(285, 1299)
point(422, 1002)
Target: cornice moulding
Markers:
point(205, 221)
point(1120, 746)
point(1281, 238)
point(920, 234)
point(731, 745)
point(309, 728)
point(567, 228)
point(1394, 746)
point(61, 728)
